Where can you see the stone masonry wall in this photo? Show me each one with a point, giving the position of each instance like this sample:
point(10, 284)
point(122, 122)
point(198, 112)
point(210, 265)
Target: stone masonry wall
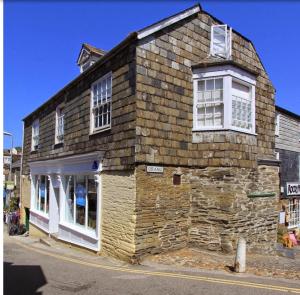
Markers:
point(118, 219)
point(162, 212)
point(165, 99)
point(209, 209)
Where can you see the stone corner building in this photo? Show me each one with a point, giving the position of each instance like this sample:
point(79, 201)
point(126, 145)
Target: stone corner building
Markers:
point(165, 141)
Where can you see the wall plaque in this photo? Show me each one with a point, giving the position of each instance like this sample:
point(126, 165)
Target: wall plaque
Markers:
point(155, 169)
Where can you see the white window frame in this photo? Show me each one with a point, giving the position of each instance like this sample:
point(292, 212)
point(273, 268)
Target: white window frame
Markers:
point(36, 200)
point(94, 129)
point(35, 138)
point(294, 213)
point(229, 73)
point(59, 117)
point(78, 227)
point(277, 123)
point(228, 41)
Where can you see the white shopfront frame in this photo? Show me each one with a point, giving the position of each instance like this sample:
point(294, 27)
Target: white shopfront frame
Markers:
point(55, 223)
point(229, 73)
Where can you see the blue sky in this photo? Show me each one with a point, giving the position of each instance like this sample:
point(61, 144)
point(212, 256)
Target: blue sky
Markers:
point(42, 41)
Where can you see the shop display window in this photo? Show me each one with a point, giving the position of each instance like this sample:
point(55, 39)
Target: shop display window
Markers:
point(42, 185)
point(81, 201)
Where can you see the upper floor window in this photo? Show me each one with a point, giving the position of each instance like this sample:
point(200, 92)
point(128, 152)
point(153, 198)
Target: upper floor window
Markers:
point(101, 104)
point(224, 99)
point(220, 44)
point(35, 135)
point(59, 126)
point(277, 122)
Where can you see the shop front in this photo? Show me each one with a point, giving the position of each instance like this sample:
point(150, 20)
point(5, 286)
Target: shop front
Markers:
point(66, 198)
point(293, 207)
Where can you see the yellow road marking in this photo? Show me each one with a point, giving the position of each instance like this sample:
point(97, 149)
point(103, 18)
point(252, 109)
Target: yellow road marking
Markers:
point(167, 274)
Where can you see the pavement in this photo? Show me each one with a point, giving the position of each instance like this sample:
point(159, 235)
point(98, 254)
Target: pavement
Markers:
point(32, 267)
point(286, 264)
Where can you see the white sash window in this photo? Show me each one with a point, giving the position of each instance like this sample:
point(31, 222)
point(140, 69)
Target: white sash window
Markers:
point(59, 130)
point(101, 104)
point(35, 135)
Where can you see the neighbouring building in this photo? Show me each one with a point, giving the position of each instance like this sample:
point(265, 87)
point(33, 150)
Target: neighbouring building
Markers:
point(167, 140)
point(11, 174)
point(287, 145)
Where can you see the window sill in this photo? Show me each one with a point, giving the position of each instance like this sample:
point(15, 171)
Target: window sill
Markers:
point(222, 129)
point(78, 229)
point(58, 145)
point(100, 130)
point(40, 214)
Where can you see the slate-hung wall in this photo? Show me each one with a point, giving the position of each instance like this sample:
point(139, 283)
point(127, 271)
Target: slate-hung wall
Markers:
point(119, 141)
point(165, 100)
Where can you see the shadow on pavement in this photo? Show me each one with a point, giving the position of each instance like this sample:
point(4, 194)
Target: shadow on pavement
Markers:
point(23, 279)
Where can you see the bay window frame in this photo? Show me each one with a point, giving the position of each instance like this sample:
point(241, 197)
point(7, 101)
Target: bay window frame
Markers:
point(228, 73)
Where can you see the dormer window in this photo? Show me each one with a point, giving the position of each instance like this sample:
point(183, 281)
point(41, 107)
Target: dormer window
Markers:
point(88, 56)
point(220, 45)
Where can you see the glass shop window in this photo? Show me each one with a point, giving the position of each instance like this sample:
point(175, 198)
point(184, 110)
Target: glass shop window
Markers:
point(42, 193)
point(81, 201)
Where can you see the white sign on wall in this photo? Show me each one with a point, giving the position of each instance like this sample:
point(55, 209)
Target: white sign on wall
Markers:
point(155, 169)
point(293, 188)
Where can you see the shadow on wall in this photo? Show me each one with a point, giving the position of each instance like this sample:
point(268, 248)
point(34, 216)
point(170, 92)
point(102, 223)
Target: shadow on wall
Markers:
point(23, 279)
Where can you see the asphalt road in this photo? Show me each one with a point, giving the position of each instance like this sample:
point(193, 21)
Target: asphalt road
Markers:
point(35, 269)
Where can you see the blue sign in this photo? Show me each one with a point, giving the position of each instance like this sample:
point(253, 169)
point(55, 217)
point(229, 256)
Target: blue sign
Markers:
point(42, 190)
point(95, 165)
point(80, 195)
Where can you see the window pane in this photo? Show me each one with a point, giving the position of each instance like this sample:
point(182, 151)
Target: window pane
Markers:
point(201, 85)
point(218, 115)
point(109, 86)
point(209, 116)
point(69, 208)
point(47, 200)
point(92, 203)
point(80, 193)
point(42, 192)
point(210, 84)
point(219, 84)
point(201, 117)
point(37, 193)
point(241, 106)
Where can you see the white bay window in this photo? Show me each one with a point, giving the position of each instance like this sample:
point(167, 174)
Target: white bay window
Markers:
point(101, 104)
point(224, 98)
